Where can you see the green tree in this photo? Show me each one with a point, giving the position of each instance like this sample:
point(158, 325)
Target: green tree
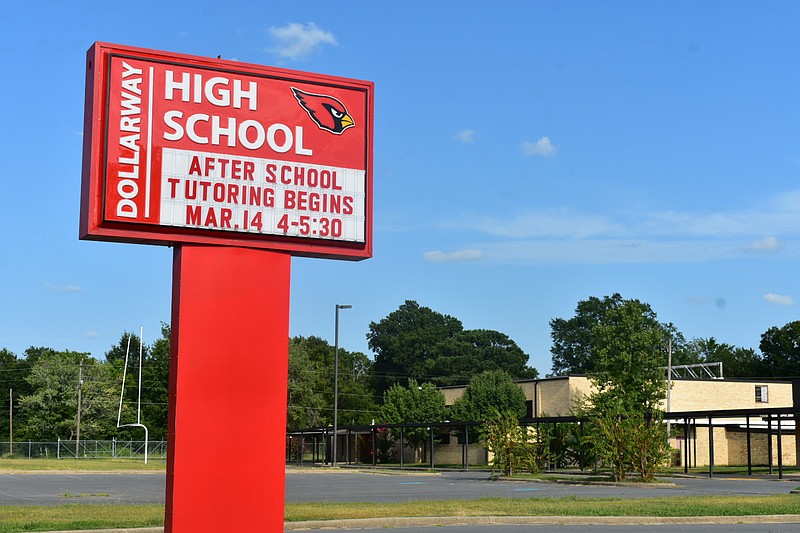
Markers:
point(155, 385)
point(736, 362)
point(13, 371)
point(629, 359)
point(414, 404)
point(572, 338)
point(404, 342)
point(780, 348)
point(52, 407)
point(115, 358)
point(124, 348)
point(311, 371)
point(628, 441)
point(625, 350)
point(457, 359)
point(574, 350)
point(357, 399)
point(514, 448)
point(505, 439)
point(34, 353)
point(488, 395)
point(415, 342)
point(306, 402)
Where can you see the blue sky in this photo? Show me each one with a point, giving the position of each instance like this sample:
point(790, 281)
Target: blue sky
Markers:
point(528, 155)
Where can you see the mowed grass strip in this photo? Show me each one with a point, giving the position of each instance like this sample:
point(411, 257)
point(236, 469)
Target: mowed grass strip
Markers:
point(570, 506)
point(82, 465)
point(19, 519)
point(24, 518)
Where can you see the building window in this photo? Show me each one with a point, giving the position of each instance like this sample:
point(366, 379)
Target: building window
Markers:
point(761, 394)
point(528, 408)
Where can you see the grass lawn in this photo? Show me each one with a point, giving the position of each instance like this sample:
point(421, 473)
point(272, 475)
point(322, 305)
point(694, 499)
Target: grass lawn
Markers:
point(17, 519)
point(570, 506)
point(82, 465)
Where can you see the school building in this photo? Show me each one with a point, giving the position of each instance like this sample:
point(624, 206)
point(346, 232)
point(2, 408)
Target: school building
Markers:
point(715, 421)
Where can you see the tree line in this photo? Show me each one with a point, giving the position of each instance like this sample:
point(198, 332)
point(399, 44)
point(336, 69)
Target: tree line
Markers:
point(575, 347)
point(620, 343)
point(46, 388)
point(414, 346)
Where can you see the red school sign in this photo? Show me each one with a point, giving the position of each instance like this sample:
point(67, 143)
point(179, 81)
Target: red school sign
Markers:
point(238, 167)
point(194, 150)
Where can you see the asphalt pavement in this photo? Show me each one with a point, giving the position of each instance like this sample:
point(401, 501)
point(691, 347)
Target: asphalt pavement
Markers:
point(79, 488)
point(351, 486)
point(393, 486)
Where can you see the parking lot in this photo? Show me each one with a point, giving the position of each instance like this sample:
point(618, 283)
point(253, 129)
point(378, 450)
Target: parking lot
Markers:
point(319, 485)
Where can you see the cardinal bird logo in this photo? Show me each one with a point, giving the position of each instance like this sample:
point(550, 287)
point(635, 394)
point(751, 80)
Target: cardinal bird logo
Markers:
point(329, 113)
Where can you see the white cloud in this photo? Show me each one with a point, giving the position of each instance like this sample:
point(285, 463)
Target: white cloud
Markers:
point(780, 215)
point(607, 251)
point(778, 299)
point(632, 235)
point(452, 257)
point(767, 244)
point(91, 334)
point(296, 41)
point(543, 147)
point(63, 288)
point(789, 201)
point(466, 136)
point(551, 223)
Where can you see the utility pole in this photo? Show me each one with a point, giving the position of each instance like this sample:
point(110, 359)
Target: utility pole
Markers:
point(78, 432)
point(10, 421)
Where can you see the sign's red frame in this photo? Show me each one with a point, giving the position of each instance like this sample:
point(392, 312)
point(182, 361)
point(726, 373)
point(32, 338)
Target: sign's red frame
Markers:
point(185, 149)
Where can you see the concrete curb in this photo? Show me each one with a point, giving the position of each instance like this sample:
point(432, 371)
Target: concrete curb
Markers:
point(579, 481)
point(384, 523)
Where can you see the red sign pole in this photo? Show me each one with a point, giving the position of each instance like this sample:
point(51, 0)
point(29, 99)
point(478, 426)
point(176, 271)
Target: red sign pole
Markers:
point(227, 412)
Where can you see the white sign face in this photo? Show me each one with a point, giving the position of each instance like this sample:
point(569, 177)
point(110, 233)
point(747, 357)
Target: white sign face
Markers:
point(261, 196)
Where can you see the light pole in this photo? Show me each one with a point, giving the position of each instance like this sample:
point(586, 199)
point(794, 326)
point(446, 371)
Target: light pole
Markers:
point(78, 433)
point(336, 381)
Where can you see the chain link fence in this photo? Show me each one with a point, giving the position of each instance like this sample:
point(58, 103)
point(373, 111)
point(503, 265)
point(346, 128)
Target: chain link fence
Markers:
point(85, 449)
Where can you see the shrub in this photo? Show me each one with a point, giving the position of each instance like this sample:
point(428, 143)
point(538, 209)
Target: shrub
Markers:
point(514, 448)
point(629, 441)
